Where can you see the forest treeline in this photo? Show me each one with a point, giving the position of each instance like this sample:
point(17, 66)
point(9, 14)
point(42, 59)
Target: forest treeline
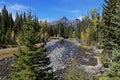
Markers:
point(10, 29)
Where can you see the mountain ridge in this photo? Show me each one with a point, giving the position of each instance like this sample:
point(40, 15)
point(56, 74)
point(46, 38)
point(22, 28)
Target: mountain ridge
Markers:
point(66, 22)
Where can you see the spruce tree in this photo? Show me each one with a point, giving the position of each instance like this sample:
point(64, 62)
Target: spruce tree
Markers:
point(116, 26)
point(31, 62)
point(10, 29)
point(108, 29)
point(4, 24)
point(4, 19)
point(78, 30)
point(111, 37)
point(17, 24)
point(114, 71)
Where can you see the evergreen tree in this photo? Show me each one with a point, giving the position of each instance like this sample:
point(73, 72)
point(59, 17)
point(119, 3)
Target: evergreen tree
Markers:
point(116, 26)
point(11, 22)
point(32, 62)
point(71, 30)
point(114, 72)
point(108, 28)
point(21, 22)
point(78, 30)
point(4, 19)
point(24, 16)
point(36, 24)
point(111, 37)
point(4, 23)
point(50, 31)
point(17, 24)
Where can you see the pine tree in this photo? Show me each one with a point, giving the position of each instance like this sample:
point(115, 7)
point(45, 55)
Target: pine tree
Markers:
point(114, 72)
point(70, 31)
point(108, 28)
point(4, 23)
point(4, 19)
point(78, 30)
point(21, 23)
point(17, 24)
point(36, 24)
point(111, 37)
point(11, 22)
point(10, 29)
point(31, 62)
point(116, 26)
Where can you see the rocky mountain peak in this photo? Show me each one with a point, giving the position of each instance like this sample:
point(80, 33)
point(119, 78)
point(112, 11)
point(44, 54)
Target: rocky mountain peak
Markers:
point(66, 22)
point(64, 18)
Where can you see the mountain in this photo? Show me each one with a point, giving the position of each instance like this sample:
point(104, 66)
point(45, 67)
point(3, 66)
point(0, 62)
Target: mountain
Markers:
point(66, 22)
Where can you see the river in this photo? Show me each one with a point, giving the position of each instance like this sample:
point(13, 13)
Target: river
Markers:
point(61, 52)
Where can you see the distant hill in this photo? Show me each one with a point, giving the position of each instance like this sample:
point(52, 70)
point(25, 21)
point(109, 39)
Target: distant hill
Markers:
point(66, 22)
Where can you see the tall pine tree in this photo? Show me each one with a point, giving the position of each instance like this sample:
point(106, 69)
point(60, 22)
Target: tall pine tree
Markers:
point(108, 28)
point(111, 37)
point(4, 24)
point(113, 30)
point(31, 62)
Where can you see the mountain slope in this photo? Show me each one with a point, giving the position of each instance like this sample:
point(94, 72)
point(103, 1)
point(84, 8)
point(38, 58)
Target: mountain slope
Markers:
point(65, 22)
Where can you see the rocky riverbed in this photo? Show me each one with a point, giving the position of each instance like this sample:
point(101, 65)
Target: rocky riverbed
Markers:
point(5, 68)
point(61, 53)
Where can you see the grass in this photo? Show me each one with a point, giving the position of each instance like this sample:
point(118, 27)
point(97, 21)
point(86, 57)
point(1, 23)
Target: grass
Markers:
point(8, 53)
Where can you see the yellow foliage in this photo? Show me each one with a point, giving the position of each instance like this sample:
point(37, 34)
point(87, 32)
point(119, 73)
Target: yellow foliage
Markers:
point(55, 35)
point(18, 40)
point(58, 35)
point(85, 35)
point(104, 78)
point(95, 21)
point(12, 34)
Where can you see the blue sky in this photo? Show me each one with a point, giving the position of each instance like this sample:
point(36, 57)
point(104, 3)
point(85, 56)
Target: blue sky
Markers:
point(53, 9)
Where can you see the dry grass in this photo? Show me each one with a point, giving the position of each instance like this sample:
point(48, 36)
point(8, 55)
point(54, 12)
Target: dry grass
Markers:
point(8, 53)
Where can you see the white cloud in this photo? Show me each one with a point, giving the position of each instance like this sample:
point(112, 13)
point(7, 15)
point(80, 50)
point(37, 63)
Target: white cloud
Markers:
point(18, 7)
point(80, 17)
point(14, 7)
